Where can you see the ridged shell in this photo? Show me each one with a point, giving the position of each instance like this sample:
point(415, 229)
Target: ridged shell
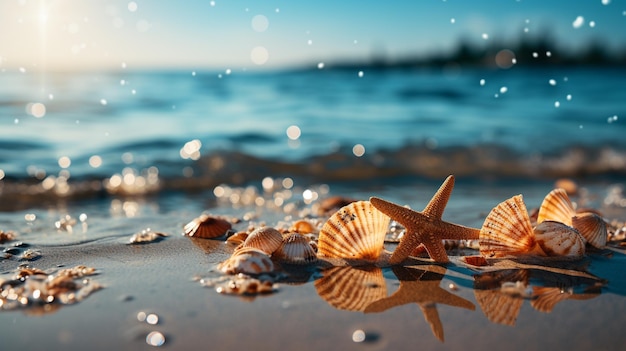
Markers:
point(592, 227)
point(248, 261)
point(556, 206)
point(356, 231)
point(302, 226)
point(351, 289)
point(558, 239)
point(237, 238)
point(266, 239)
point(207, 227)
point(296, 249)
point(507, 230)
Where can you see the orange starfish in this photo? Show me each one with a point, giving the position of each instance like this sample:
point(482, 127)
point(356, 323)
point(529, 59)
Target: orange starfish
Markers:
point(425, 227)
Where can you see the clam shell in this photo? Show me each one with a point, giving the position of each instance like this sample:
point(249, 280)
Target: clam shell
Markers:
point(558, 239)
point(507, 230)
point(302, 226)
point(207, 227)
point(351, 289)
point(248, 261)
point(356, 231)
point(266, 239)
point(295, 249)
point(592, 227)
point(556, 206)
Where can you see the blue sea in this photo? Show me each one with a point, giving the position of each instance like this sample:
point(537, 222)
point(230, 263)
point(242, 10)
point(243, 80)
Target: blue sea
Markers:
point(87, 159)
point(522, 122)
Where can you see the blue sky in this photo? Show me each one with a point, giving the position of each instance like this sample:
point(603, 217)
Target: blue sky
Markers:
point(221, 34)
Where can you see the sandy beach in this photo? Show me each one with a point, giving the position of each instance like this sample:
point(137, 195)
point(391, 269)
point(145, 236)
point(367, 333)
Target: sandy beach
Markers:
point(164, 282)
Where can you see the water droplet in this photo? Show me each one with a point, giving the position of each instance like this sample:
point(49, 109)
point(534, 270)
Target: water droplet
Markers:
point(358, 335)
point(155, 338)
point(260, 23)
point(578, 22)
point(259, 55)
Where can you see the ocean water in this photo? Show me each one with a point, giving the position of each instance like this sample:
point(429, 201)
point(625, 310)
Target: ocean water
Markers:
point(505, 121)
point(88, 159)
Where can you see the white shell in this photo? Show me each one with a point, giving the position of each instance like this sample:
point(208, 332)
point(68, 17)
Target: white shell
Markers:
point(507, 230)
point(266, 239)
point(351, 289)
point(248, 261)
point(556, 206)
point(296, 249)
point(558, 239)
point(592, 227)
point(356, 231)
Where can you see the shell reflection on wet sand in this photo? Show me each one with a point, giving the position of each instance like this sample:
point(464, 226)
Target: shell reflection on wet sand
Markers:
point(507, 231)
point(351, 289)
point(356, 231)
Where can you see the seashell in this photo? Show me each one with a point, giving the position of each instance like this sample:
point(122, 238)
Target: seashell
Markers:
point(569, 185)
point(296, 249)
point(237, 238)
point(592, 228)
point(351, 289)
point(332, 204)
point(556, 206)
point(266, 239)
point(356, 231)
point(302, 226)
point(545, 298)
point(558, 239)
point(507, 230)
point(207, 227)
point(247, 260)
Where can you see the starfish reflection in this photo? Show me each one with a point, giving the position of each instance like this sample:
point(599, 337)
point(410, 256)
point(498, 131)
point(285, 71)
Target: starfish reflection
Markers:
point(364, 290)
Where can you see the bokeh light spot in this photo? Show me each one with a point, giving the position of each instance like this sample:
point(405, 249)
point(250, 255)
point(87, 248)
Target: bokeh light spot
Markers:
point(259, 55)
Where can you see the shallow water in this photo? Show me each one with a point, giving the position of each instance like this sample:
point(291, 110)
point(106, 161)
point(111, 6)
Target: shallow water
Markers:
point(124, 151)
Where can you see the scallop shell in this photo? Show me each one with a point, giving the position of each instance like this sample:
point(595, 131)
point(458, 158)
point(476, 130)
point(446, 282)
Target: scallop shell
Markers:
point(237, 238)
point(556, 206)
point(302, 226)
point(558, 239)
point(507, 230)
point(248, 261)
point(351, 289)
point(356, 231)
point(207, 227)
point(266, 239)
point(545, 298)
point(296, 249)
point(592, 227)
point(499, 307)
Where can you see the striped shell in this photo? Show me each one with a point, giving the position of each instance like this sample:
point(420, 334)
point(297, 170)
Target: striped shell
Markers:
point(556, 206)
point(356, 231)
point(237, 238)
point(295, 249)
point(351, 289)
point(266, 239)
point(248, 261)
point(592, 227)
point(545, 298)
point(507, 230)
point(558, 239)
point(499, 307)
point(207, 227)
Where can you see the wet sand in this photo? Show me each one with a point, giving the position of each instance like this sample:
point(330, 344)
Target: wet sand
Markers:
point(161, 278)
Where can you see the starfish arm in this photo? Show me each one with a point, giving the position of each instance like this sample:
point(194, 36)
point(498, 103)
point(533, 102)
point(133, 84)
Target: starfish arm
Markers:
point(457, 232)
point(438, 203)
